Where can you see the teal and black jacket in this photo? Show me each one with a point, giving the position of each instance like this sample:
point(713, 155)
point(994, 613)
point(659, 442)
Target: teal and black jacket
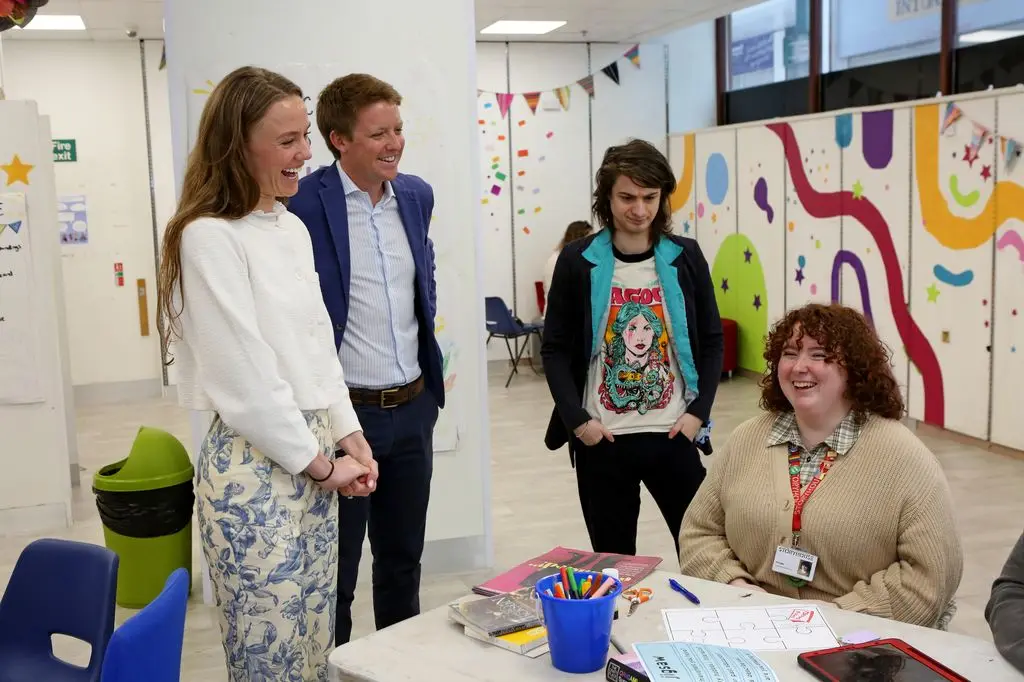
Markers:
point(576, 312)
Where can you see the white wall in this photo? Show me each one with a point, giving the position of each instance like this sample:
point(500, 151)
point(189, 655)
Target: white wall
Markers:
point(35, 488)
point(692, 101)
point(92, 92)
point(543, 161)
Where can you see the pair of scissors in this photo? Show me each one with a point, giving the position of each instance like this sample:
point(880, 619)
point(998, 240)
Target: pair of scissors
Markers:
point(637, 596)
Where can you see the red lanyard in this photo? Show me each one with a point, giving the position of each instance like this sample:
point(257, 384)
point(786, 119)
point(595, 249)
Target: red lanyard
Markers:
point(794, 484)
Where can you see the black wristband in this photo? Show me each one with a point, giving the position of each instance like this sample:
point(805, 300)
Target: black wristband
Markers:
point(321, 480)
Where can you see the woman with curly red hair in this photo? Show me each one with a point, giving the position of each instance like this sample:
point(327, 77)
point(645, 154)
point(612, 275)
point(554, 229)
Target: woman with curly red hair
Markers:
point(828, 496)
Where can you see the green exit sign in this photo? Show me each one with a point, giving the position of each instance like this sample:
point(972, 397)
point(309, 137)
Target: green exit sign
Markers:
point(64, 151)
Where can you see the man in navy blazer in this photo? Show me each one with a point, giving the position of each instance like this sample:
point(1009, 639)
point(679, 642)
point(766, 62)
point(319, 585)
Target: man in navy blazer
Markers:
point(368, 225)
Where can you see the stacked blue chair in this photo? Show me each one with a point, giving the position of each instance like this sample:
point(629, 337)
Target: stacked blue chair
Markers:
point(147, 647)
point(58, 587)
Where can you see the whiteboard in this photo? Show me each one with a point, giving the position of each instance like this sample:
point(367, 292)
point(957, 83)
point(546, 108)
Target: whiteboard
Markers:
point(19, 371)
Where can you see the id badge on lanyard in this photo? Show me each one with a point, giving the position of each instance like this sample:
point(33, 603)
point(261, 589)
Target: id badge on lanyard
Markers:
point(799, 566)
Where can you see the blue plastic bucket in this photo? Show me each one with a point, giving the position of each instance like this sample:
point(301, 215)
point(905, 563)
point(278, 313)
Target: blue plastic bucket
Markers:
point(579, 630)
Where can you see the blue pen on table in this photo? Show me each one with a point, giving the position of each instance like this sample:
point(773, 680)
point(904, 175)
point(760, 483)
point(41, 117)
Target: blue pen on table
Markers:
point(683, 591)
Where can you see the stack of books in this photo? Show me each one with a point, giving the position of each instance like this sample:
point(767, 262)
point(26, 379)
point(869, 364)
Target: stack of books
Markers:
point(510, 621)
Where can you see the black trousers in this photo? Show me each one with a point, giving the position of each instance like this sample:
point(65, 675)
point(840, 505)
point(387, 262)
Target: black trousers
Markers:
point(396, 512)
point(608, 476)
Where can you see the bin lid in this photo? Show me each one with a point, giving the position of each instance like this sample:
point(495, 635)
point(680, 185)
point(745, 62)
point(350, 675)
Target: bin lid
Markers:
point(157, 460)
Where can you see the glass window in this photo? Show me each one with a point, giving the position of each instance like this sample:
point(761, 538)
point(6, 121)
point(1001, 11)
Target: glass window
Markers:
point(987, 21)
point(863, 32)
point(769, 43)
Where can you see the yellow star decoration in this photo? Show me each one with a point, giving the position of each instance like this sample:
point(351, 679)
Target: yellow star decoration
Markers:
point(933, 293)
point(17, 171)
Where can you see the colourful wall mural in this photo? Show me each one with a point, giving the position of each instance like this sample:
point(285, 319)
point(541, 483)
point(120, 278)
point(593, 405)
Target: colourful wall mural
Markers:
point(913, 215)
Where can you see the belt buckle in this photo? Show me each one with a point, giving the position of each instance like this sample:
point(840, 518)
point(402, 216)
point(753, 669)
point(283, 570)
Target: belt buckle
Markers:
point(383, 398)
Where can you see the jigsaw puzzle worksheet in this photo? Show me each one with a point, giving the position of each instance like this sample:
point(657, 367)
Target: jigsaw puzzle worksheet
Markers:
point(797, 627)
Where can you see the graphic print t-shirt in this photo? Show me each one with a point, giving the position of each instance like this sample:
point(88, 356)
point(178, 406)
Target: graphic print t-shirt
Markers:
point(634, 384)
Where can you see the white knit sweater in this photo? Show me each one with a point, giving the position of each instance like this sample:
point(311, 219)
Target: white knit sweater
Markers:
point(256, 343)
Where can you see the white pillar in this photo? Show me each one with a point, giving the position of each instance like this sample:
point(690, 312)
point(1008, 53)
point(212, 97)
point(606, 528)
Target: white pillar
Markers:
point(427, 51)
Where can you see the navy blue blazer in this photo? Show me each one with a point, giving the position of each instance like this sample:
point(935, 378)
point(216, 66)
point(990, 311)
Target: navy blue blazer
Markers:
point(320, 204)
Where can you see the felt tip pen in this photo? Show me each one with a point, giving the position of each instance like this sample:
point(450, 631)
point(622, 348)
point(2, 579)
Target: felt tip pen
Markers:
point(683, 591)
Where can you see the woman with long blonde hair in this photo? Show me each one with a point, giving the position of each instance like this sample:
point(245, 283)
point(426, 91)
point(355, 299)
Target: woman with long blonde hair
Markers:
point(242, 315)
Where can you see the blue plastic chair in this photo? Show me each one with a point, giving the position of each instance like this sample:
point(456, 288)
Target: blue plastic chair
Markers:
point(58, 587)
point(502, 324)
point(147, 647)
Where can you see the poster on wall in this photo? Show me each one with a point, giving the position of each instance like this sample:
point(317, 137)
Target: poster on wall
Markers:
point(71, 217)
point(424, 146)
point(19, 378)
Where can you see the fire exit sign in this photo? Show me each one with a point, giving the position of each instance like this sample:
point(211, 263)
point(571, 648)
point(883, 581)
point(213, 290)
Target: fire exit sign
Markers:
point(64, 151)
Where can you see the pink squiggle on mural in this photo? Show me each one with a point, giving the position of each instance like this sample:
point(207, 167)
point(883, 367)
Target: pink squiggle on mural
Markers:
point(1012, 238)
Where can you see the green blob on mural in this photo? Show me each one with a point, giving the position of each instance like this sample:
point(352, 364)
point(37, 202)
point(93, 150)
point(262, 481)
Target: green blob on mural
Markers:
point(739, 289)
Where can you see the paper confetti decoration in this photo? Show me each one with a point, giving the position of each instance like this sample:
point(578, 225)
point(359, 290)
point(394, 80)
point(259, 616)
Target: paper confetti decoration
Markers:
point(522, 123)
point(587, 83)
point(563, 93)
point(485, 200)
point(542, 158)
point(532, 99)
point(501, 138)
point(523, 153)
point(633, 55)
point(526, 230)
point(612, 71)
point(549, 135)
point(488, 105)
point(522, 211)
point(536, 190)
point(495, 190)
point(482, 122)
point(521, 173)
point(504, 102)
point(494, 166)
point(953, 113)
point(500, 176)
point(537, 210)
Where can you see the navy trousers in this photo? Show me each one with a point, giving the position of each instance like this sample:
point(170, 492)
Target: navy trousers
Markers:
point(395, 513)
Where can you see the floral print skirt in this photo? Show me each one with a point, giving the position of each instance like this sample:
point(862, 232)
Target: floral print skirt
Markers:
point(271, 542)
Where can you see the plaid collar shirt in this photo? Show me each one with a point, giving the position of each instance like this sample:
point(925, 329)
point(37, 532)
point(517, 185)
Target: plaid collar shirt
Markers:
point(785, 432)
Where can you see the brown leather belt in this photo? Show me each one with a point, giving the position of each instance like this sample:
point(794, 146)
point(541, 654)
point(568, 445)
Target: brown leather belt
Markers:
point(387, 398)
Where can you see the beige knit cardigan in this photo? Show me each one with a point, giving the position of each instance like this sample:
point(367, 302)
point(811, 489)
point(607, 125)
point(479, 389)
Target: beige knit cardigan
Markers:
point(881, 523)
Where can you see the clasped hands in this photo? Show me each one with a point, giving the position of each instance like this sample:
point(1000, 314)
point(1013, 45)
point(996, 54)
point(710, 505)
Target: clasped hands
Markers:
point(593, 431)
point(355, 471)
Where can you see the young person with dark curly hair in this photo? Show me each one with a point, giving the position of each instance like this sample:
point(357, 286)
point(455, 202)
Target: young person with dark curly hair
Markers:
point(830, 476)
point(632, 352)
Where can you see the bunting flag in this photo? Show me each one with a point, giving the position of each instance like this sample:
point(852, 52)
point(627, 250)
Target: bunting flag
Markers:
point(953, 113)
point(1010, 150)
point(978, 136)
point(612, 71)
point(532, 99)
point(562, 94)
point(633, 55)
point(504, 102)
point(587, 83)
point(2, 228)
point(163, 59)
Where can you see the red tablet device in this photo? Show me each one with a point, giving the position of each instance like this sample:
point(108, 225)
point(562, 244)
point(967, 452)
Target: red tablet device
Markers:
point(883, 660)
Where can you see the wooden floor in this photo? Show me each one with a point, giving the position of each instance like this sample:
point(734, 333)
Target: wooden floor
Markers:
point(535, 505)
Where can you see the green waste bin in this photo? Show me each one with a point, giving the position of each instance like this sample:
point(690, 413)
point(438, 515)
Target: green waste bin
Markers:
point(145, 502)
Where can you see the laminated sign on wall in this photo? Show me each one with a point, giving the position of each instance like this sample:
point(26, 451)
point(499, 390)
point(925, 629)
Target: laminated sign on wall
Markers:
point(19, 382)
